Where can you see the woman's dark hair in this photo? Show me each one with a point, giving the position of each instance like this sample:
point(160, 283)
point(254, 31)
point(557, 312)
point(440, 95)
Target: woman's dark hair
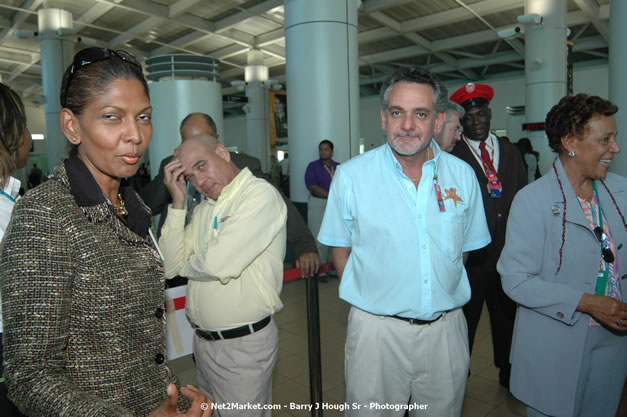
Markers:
point(571, 115)
point(12, 126)
point(87, 81)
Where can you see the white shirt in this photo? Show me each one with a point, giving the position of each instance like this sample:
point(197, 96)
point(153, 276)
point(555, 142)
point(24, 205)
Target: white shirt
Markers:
point(491, 145)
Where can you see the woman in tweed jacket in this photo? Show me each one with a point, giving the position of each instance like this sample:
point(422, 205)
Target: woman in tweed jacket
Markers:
point(82, 279)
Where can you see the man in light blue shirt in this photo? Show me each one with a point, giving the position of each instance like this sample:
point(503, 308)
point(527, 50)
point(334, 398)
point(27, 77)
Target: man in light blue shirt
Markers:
point(400, 220)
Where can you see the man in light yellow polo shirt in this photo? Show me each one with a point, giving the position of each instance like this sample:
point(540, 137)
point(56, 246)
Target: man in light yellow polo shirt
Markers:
point(232, 252)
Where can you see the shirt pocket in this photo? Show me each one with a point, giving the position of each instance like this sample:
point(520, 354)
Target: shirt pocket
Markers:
point(451, 237)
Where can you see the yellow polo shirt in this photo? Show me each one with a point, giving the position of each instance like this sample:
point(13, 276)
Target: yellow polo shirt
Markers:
point(232, 252)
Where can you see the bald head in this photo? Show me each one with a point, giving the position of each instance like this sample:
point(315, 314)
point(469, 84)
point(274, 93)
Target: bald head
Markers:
point(206, 164)
point(198, 124)
point(207, 142)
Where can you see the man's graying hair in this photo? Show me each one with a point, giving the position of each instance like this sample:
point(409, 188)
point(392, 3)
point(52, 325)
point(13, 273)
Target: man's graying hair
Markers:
point(419, 76)
point(451, 107)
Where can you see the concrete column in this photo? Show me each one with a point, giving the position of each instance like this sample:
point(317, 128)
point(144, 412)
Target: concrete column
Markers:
point(322, 83)
point(618, 83)
point(171, 101)
point(57, 50)
point(545, 68)
point(257, 123)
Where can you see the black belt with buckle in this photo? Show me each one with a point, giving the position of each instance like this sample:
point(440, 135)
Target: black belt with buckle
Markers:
point(233, 333)
point(417, 321)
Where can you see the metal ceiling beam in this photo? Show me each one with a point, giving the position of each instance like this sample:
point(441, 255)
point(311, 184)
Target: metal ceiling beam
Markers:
point(228, 51)
point(182, 42)
point(591, 9)
point(253, 11)
point(181, 6)
point(269, 37)
point(136, 31)
point(386, 20)
point(19, 17)
point(369, 6)
point(459, 14)
point(224, 29)
point(94, 13)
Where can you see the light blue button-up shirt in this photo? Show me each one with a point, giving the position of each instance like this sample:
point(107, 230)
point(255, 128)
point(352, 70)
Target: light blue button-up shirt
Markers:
point(406, 255)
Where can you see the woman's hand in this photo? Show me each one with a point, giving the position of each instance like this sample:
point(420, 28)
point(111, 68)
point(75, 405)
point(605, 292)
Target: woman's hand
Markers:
point(201, 404)
point(606, 310)
point(175, 183)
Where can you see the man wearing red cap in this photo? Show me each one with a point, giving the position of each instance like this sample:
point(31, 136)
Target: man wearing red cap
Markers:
point(501, 173)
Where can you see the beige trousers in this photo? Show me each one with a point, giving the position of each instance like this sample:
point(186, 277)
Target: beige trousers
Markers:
point(392, 365)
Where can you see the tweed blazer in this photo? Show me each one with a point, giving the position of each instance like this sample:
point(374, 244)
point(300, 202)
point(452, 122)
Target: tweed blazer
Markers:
point(84, 327)
point(549, 334)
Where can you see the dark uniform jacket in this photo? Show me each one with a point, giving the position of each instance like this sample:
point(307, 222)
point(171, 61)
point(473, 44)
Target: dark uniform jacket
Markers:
point(511, 173)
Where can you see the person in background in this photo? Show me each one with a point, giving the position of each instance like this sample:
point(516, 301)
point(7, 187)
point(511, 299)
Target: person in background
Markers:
point(15, 141)
point(34, 177)
point(318, 177)
point(451, 133)
point(157, 196)
point(275, 171)
point(530, 158)
point(563, 261)
point(285, 171)
point(232, 252)
point(501, 173)
point(400, 220)
point(82, 278)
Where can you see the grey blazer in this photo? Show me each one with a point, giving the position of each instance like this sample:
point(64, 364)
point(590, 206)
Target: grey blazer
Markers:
point(549, 334)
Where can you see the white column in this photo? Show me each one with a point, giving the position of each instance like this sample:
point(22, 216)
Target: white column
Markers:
point(257, 127)
point(618, 83)
point(55, 26)
point(322, 83)
point(545, 68)
point(171, 101)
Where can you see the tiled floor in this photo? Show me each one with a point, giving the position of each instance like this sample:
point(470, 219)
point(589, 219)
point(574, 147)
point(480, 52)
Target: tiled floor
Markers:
point(484, 395)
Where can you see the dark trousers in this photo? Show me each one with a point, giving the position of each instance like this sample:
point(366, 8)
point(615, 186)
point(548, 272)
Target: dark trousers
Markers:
point(486, 286)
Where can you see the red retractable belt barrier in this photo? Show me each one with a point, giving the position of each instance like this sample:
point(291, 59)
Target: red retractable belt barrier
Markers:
point(289, 275)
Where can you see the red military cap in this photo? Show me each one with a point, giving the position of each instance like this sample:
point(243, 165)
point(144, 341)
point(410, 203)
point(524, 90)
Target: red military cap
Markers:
point(472, 95)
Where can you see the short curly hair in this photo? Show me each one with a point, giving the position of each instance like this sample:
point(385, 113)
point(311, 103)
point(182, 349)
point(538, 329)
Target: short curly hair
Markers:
point(571, 116)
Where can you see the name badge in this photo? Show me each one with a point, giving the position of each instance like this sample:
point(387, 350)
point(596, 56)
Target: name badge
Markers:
point(602, 278)
point(494, 185)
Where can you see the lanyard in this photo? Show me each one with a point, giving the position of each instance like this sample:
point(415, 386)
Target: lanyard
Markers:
point(8, 196)
point(330, 171)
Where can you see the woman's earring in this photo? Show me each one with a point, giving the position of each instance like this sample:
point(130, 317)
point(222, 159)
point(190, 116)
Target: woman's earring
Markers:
point(571, 154)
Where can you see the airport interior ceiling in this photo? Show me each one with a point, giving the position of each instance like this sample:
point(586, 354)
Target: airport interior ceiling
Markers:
point(457, 39)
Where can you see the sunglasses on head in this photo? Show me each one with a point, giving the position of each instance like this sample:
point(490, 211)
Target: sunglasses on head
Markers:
point(92, 55)
point(606, 252)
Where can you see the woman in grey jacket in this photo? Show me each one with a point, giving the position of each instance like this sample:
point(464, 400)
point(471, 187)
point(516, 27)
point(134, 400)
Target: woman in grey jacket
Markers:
point(563, 263)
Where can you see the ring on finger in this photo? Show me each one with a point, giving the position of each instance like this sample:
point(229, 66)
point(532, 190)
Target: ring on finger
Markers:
point(620, 322)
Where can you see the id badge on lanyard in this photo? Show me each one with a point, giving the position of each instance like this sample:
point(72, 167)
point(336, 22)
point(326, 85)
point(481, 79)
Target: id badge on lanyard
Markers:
point(602, 278)
point(494, 185)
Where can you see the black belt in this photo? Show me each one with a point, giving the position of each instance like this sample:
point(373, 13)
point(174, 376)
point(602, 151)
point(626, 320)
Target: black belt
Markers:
point(233, 333)
point(416, 321)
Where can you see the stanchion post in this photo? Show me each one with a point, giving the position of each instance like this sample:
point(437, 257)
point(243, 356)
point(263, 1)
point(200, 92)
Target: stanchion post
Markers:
point(315, 358)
